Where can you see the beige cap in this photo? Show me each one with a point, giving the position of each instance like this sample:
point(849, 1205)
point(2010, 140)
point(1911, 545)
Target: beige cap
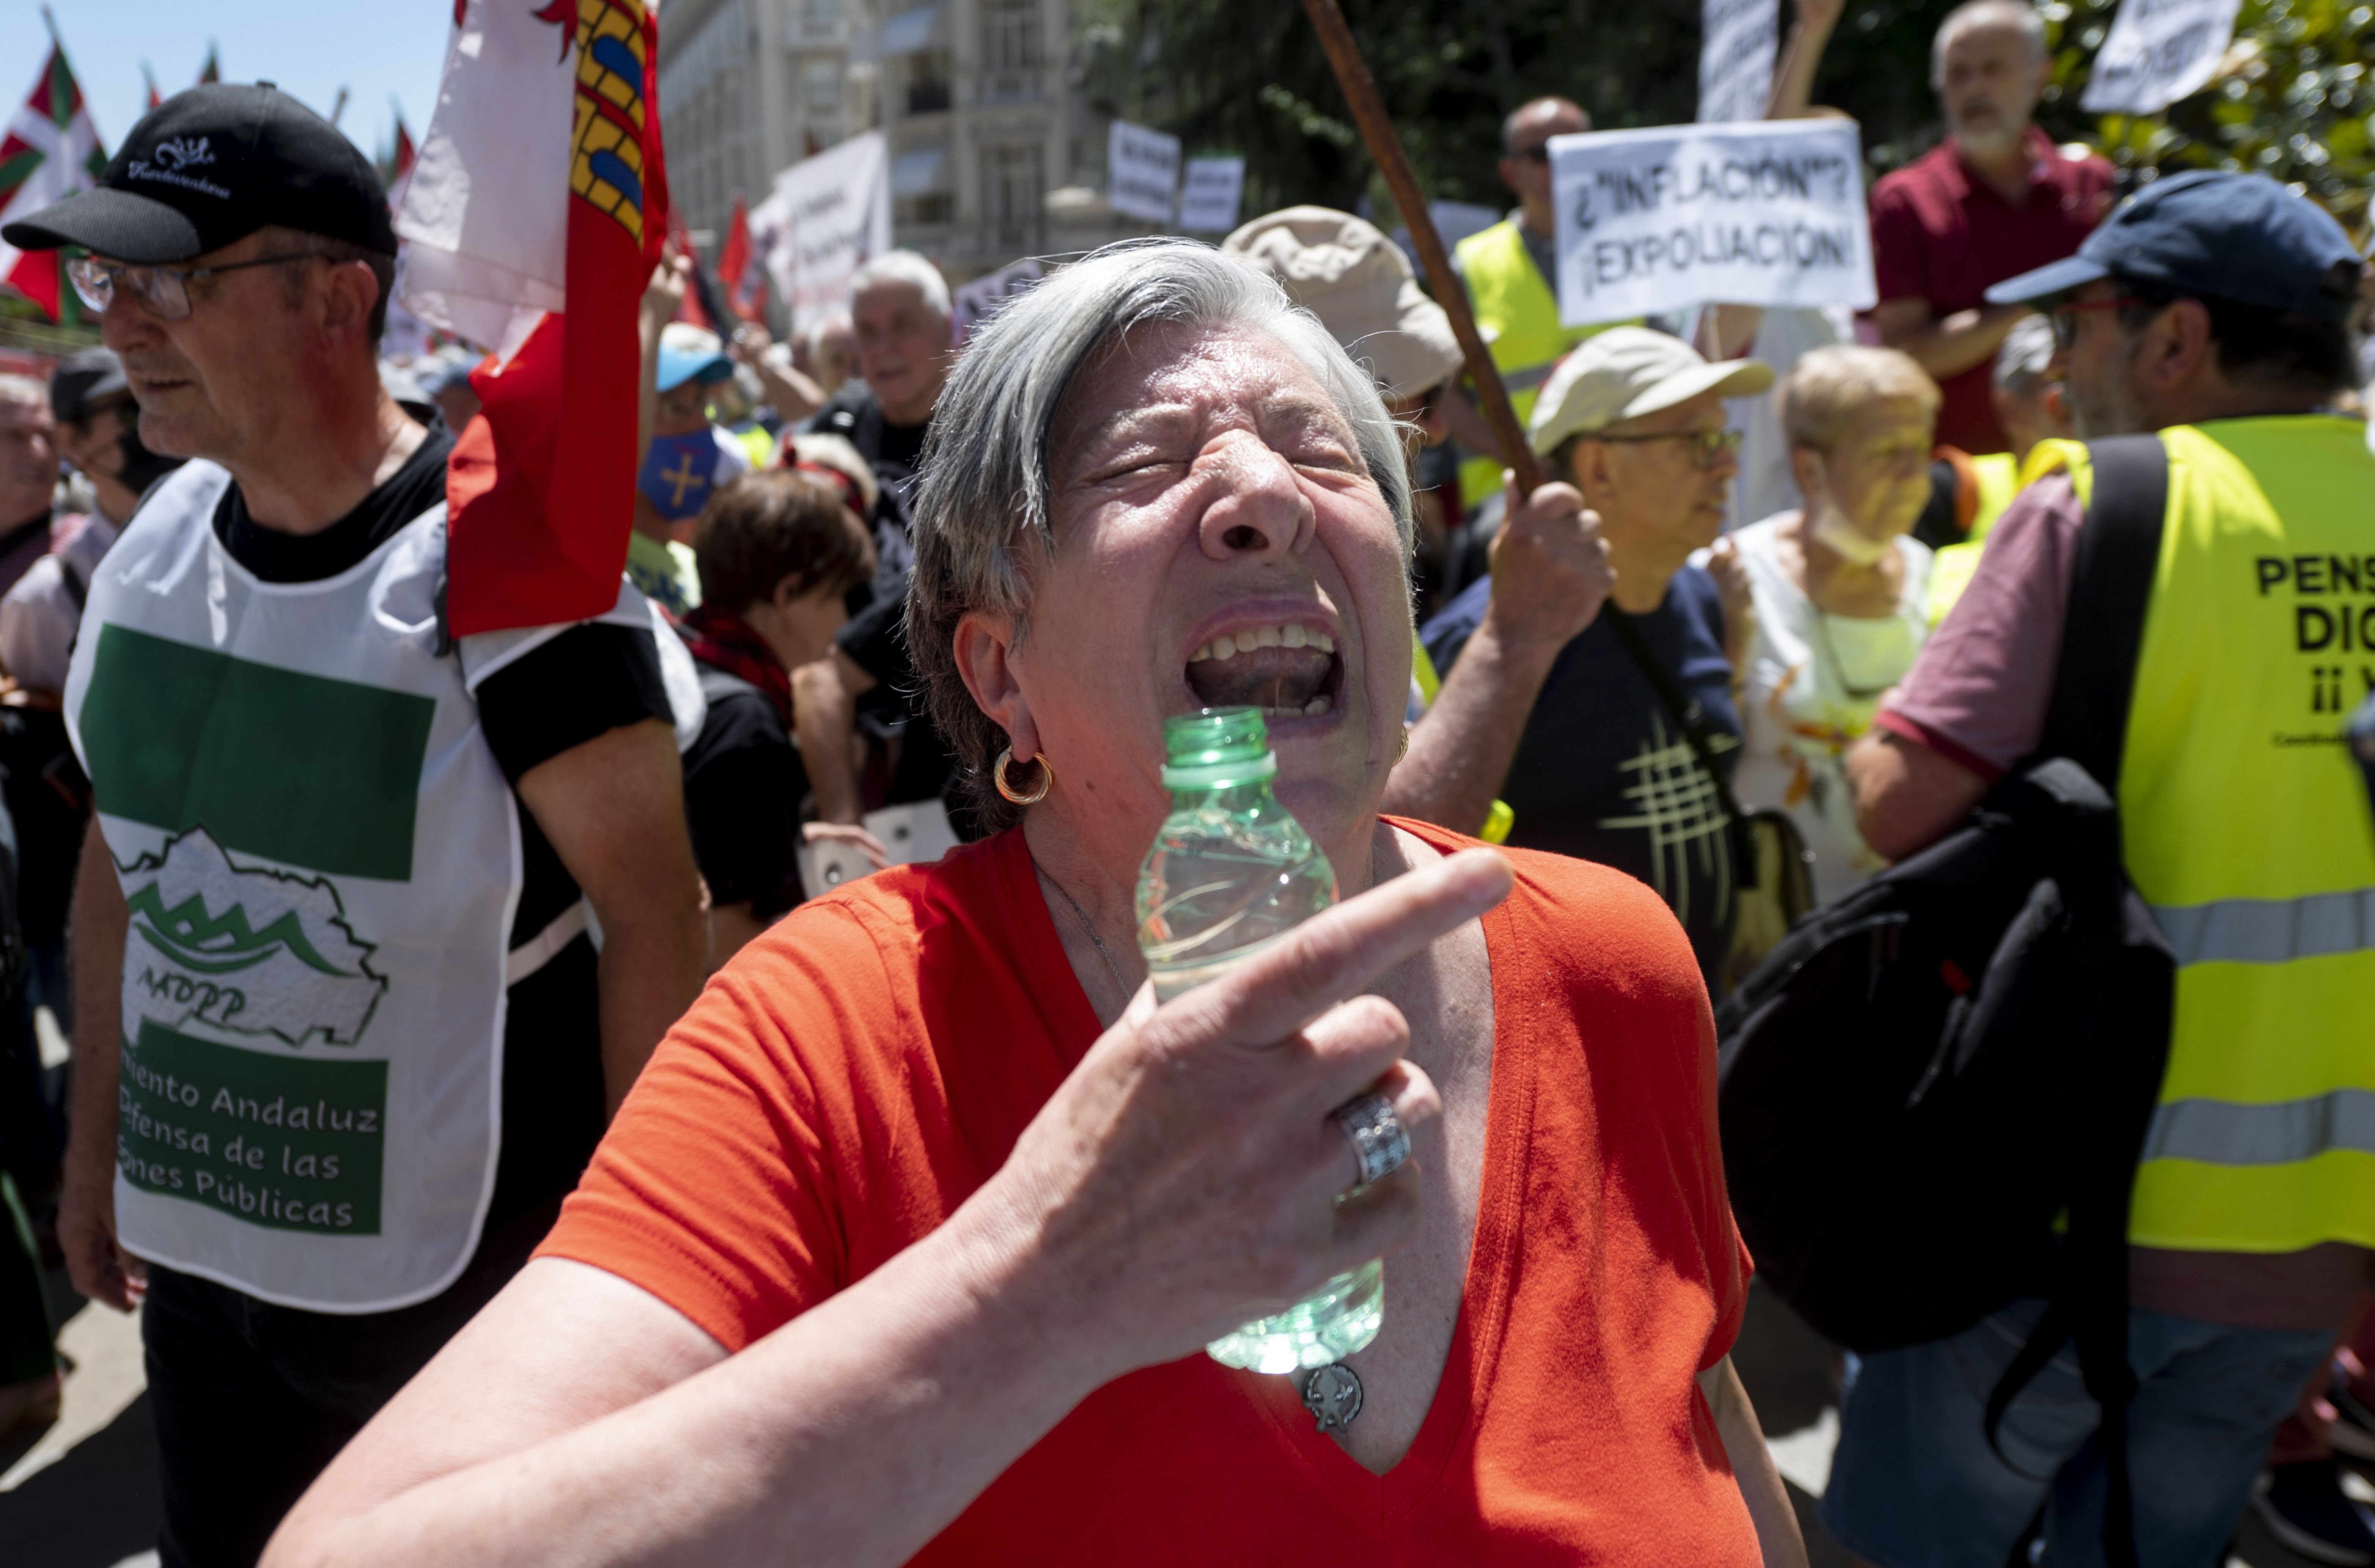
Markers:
point(1627, 371)
point(1359, 284)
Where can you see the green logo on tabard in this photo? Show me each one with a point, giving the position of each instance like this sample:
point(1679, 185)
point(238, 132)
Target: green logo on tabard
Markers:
point(249, 951)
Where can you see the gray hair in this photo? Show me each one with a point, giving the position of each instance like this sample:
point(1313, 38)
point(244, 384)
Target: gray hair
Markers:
point(2026, 360)
point(984, 484)
point(2016, 15)
point(907, 267)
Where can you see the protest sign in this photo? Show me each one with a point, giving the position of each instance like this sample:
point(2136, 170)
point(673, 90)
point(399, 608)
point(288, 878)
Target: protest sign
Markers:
point(826, 215)
point(1664, 218)
point(1738, 39)
point(977, 301)
point(1142, 171)
point(1215, 188)
point(2158, 51)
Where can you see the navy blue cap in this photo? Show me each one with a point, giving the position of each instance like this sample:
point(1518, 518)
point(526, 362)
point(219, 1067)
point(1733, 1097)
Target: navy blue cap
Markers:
point(2239, 237)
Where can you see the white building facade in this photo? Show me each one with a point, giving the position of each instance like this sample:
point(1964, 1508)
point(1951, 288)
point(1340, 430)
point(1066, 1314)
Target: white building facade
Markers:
point(973, 97)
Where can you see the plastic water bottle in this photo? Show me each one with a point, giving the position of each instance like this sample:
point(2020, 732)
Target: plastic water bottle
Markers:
point(1229, 874)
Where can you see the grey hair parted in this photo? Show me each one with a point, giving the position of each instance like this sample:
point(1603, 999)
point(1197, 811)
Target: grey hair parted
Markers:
point(983, 488)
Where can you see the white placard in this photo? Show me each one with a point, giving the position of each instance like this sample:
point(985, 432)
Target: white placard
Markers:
point(1215, 188)
point(980, 299)
point(1665, 218)
point(1737, 43)
point(2158, 51)
point(918, 832)
point(825, 216)
point(1142, 171)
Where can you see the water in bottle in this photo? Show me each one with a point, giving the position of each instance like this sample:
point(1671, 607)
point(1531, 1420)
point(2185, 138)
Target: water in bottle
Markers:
point(1229, 874)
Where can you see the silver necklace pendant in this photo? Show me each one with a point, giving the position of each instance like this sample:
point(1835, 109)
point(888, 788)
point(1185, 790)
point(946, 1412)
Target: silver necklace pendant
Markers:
point(1332, 1394)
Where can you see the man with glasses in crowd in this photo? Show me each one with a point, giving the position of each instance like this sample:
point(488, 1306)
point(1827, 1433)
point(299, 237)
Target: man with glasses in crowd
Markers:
point(1566, 727)
point(2216, 310)
point(342, 1043)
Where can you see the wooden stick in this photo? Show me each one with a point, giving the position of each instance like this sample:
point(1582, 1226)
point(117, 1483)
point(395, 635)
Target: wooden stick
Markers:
point(1385, 147)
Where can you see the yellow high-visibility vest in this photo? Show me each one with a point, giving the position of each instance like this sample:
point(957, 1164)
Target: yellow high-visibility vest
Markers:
point(1952, 566)
point(1519, 317)
point(2245, 824)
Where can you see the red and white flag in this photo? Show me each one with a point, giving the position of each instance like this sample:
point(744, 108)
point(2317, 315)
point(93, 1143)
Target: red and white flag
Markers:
point(737, 267)
point(532, 222)
point(52, 151)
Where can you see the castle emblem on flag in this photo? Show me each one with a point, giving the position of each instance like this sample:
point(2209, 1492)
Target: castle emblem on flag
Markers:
point(607, 140)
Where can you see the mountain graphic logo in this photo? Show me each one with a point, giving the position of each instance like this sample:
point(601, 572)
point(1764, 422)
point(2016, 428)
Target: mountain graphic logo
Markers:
point(249, 950)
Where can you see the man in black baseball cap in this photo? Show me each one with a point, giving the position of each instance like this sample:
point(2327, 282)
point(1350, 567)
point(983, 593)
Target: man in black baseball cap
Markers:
point(2204, 329)
point(260, 678)
point(211, 166)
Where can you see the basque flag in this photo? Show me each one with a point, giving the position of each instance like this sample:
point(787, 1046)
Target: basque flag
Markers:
point(532, 222)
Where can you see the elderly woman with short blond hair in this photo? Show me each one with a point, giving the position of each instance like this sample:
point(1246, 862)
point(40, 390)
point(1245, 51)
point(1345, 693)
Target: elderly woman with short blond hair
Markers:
point(1840, 594)
point(906, 1244)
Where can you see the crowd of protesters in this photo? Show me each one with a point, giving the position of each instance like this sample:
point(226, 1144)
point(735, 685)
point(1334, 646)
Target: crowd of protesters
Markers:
point(894, 1234)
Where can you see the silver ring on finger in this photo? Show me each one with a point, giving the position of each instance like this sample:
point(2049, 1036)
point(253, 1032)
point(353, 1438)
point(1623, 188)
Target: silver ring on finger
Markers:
point(1379, 1144)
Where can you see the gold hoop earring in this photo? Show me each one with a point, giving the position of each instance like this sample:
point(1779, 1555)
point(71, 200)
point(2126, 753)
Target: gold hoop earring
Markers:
point(1046, 779)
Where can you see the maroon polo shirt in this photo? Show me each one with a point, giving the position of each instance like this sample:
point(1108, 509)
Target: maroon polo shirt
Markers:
point(1940, 233)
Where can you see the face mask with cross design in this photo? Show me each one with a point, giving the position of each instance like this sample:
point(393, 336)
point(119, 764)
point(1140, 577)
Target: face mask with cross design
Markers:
point(675, 474)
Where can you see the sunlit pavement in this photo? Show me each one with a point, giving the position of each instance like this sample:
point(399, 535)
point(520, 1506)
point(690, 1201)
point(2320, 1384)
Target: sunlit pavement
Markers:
point(83, 1494)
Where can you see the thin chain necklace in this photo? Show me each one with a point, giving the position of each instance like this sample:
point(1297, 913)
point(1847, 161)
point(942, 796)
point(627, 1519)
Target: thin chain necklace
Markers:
point(1090, 926)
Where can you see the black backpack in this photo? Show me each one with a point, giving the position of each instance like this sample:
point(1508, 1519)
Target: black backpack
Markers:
point(1935, 1093)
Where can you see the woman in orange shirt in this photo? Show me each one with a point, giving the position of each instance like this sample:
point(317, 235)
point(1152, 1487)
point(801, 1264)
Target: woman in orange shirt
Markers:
point(904, 1244)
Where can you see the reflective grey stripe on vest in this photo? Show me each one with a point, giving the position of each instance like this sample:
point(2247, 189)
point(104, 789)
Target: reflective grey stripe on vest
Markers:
point(2269, 930)
point(2219, 1132)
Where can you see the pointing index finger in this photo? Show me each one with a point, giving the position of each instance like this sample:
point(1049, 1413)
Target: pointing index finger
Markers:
point(1336, 955)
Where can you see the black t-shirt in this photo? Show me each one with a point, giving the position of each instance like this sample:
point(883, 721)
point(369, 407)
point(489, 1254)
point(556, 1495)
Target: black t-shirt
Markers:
point(577, 686)
point(892, 452)
point(876, 638)
point(1603, 773)
point(743, 784)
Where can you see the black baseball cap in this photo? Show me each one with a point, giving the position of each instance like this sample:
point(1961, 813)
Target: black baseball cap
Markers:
point(2239, 237)
point(82, 380)
point(211, 166)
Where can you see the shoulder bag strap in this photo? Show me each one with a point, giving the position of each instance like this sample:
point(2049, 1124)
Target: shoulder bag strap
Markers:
point(2111, 587)
point(2094, 683)
point(1700, 735)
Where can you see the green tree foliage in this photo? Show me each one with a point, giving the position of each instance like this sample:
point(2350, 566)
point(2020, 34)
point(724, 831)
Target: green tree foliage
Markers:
point(2293, 102)
point(1248, 77)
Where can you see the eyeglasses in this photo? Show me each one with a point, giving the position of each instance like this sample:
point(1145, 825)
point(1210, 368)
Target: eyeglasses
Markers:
point(2064, 317)
point(1708, 447)
point(1538, 153)
point(163, 291)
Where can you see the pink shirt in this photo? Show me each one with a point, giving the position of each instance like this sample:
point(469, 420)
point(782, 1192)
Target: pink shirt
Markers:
point(1979, 691)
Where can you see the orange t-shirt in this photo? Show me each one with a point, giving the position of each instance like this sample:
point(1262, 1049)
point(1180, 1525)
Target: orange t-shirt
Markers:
point(858, 1071)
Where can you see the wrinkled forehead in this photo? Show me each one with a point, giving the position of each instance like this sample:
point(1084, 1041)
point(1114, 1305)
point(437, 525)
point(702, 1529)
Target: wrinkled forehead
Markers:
point(1178, 381)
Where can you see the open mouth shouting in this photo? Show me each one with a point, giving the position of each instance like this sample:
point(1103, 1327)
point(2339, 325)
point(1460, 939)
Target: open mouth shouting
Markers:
point(1288, 670)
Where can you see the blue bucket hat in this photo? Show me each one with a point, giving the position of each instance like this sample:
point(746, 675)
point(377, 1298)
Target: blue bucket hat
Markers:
point(2239, 237)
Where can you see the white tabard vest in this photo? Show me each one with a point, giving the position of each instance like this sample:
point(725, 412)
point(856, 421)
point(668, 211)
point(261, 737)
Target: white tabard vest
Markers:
point(320, 860)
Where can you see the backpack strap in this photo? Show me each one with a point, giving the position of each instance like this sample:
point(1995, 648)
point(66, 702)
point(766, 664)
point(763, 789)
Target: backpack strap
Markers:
point(2111, 587)
point(2094, 684)
point(1691, 717)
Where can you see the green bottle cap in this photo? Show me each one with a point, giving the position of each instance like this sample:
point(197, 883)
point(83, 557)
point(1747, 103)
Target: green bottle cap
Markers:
point(1217, 747)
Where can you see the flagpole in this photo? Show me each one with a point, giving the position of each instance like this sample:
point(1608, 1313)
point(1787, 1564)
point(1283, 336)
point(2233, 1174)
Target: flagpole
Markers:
point(1385, 147)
